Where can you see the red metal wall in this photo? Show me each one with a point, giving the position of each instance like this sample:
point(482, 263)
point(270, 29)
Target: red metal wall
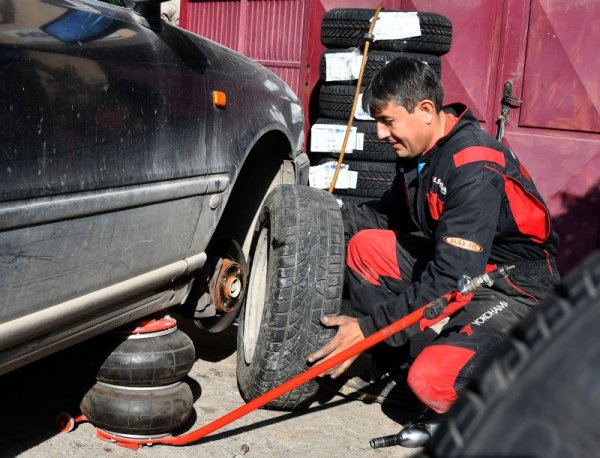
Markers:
point(546, 47)
point(268, 31)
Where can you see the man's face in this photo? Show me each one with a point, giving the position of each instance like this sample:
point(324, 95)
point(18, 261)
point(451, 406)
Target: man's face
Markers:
point(408, 133)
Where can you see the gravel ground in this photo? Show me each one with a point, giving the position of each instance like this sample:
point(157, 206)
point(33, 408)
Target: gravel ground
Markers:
point(334, 426)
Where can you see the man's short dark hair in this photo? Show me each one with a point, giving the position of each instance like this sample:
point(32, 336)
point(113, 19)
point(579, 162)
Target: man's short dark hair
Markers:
point(405, 82)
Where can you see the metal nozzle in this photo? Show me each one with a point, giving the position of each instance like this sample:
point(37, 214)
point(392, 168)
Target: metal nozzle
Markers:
point(467, 284)
point(412, 436)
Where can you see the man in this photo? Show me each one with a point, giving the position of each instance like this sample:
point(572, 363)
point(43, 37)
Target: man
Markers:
point(461, 204)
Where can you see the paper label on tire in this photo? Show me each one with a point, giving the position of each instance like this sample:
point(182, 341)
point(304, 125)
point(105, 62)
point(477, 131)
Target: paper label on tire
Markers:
point(361, 114)
point(328, 138)
point(395, 25)
point(320, 176)
point(342, 66)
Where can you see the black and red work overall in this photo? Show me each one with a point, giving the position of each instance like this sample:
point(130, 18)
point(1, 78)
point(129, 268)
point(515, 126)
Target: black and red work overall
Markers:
point(462, 208)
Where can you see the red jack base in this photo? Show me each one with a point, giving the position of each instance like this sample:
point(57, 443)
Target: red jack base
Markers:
point(130, 442)
point(65, 422)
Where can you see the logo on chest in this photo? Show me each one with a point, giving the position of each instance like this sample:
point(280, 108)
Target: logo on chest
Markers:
point(440, 184)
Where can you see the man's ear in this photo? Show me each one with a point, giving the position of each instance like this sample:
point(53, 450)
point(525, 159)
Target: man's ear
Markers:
point(426, 109)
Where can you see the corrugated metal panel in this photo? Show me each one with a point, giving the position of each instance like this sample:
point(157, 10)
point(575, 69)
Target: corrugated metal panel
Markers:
point(274, 37)
point(268, 31)
point(274, 30)
point(215, 20)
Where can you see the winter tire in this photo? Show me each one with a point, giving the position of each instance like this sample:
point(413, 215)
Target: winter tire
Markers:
point(373, 149)
point(376, 60)
point(335, 101)
point(296, 276)
point(540, 395)
point(374, 178)
point(149, 361)
point(139, 412)
point(344, 28)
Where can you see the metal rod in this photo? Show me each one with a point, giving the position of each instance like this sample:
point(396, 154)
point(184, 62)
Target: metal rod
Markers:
point(354, 102)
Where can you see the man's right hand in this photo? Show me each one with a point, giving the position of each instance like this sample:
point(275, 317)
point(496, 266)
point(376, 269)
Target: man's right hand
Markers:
point(348, 334)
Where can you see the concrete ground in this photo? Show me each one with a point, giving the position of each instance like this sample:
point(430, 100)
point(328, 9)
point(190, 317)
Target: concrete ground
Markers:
point(31, 397)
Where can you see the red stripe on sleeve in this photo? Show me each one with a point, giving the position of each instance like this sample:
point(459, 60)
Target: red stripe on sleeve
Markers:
point(479, 154)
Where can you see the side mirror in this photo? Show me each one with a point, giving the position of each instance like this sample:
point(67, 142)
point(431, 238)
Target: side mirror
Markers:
point(147, 12)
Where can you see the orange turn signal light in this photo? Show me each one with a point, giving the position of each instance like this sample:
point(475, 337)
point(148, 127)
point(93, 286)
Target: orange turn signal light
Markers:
point(219, 99)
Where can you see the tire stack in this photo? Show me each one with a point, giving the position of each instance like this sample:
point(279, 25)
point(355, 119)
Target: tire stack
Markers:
point(343, 29)
point(139, 390)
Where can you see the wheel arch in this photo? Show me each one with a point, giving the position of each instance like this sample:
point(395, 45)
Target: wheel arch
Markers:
point(269, 162)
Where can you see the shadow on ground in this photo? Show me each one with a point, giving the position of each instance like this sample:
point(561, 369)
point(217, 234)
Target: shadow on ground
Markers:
point(31, 397)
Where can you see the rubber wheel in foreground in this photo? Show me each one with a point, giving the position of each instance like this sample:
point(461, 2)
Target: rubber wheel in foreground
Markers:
point(540, 395)
point(138, 412)
point(152, 361)
point(296, 276)
point(346, 27)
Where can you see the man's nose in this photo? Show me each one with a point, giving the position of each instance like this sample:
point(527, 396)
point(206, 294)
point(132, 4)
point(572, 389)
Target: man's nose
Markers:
point(382, 131)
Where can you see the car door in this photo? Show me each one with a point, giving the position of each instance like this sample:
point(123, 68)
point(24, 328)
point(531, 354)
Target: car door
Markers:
point(102, 150)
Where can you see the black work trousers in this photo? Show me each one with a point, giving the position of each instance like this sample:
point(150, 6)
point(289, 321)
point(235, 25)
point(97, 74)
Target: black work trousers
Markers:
point(443, 355)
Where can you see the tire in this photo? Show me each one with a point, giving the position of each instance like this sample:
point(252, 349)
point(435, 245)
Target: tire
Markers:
point(149, 362)
point(373, 149)
point(138, 412)
point(376, 60)
point(296, 277)
point(344, 28)
point(540, 395)
point(353, 199)
point(374, 178)
point(335, 101)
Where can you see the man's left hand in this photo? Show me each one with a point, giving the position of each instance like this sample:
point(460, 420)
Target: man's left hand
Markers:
point(348, 334)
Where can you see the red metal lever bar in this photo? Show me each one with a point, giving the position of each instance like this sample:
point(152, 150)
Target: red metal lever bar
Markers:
point(280, 390)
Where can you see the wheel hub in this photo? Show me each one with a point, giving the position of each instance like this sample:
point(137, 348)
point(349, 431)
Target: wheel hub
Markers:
point(228, 286)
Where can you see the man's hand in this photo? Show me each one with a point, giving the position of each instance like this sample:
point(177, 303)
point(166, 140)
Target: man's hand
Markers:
point(347, 335)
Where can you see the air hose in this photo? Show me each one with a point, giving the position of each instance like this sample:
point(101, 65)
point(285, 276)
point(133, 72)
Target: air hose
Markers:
point(431, 309)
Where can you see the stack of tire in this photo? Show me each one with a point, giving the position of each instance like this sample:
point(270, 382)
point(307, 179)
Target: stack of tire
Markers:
point(140, 390)
point(342, 29)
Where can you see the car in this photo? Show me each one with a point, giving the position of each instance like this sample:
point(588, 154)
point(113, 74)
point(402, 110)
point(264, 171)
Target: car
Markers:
point(148, 170)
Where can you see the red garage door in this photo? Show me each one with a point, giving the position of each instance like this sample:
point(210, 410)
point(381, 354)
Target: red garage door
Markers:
point(546, 49)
